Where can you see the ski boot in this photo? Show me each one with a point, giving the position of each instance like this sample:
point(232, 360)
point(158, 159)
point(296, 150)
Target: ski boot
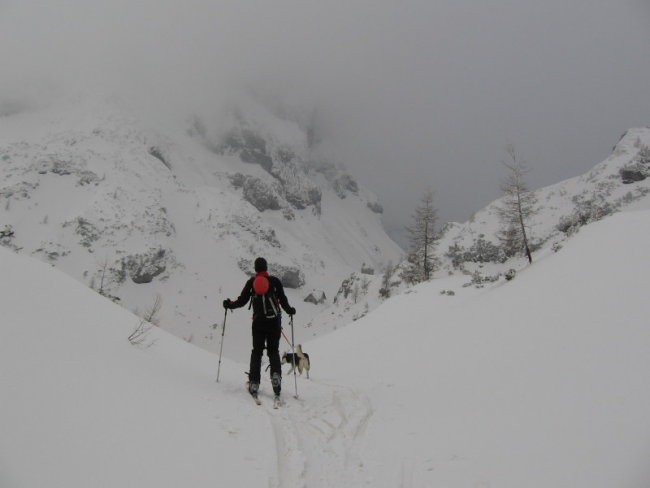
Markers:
point(276, 382)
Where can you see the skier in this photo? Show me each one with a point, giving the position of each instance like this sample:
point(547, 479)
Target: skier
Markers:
point(265, 293)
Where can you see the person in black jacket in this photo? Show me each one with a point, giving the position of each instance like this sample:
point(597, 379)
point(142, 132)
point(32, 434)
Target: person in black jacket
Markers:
point(266, 295)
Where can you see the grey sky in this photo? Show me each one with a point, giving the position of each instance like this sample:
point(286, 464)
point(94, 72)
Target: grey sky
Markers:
point(409, 94)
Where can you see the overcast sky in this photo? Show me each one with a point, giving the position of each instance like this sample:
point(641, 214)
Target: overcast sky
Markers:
point(410, 94)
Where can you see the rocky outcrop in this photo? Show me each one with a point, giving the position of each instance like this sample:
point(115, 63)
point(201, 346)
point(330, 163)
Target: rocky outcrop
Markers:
point(260, 195)
point(317, 297)
point(144, 267)
point(344, 184)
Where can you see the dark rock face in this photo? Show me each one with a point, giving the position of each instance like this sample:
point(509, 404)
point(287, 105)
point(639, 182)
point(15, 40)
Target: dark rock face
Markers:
point(316, 297)
point(260, 194)
point(290, 276)
point(344, 184)
point(143, 268)
point(632, 175)
point(376, 207)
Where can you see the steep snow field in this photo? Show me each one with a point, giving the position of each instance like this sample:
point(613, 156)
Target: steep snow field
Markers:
point(140, 208)
point(536, 382)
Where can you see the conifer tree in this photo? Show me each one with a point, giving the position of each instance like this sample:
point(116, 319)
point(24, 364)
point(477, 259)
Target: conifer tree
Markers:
point(517, 208)
point(422, 241)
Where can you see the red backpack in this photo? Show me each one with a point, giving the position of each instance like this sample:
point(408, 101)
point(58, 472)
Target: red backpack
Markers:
point(263, 298)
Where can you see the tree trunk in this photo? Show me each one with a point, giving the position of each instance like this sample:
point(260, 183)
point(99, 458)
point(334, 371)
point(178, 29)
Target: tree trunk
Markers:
point(523, 230)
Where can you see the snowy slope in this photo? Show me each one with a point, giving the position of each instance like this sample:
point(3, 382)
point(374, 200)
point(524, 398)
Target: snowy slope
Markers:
point(621, 181)
point(137, 208)
point(81, 406)
point(537, 382)
point(472, 249)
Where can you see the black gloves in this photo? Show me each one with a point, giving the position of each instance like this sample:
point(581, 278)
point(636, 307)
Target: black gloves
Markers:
point(291, 311)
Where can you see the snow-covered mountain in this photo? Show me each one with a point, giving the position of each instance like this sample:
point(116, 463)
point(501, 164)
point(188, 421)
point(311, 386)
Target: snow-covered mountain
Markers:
point(536, 382)
point(620, 182)
point(471, 250)
point(180, 210)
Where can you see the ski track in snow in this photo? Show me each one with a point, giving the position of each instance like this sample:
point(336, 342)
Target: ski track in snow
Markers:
point(318, 440)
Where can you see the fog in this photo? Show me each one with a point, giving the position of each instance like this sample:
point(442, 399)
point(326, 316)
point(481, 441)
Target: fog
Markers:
point(409, 95)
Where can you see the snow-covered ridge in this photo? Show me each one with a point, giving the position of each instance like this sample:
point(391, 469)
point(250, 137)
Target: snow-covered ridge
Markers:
point(621, 181)
point(472, 250)
point(137, 210)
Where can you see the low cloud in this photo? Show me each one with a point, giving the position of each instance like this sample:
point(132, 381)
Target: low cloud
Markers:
point(410, 95)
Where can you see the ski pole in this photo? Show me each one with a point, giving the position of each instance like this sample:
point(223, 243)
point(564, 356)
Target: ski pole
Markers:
point(223, 332)
point(293, 356)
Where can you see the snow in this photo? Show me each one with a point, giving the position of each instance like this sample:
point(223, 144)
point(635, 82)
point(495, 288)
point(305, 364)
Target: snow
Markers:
point(537, 382)
point(91, 159)
point(600, 191)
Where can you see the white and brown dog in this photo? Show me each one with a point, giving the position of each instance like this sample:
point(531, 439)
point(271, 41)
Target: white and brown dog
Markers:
point(298, 360)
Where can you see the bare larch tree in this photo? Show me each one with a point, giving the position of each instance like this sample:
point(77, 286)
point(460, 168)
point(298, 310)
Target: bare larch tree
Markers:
point(422, 240)
point(517, 208)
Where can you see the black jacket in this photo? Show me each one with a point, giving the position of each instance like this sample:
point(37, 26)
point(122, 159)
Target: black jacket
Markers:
point(247, 292)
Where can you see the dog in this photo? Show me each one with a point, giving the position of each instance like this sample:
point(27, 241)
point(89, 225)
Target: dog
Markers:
point(298, 360)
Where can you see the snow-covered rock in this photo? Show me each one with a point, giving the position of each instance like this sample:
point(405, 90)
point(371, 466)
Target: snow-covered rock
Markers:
point(179, 211)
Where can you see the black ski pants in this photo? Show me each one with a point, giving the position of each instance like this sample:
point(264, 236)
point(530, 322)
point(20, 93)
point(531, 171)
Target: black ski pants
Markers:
point(266, 333)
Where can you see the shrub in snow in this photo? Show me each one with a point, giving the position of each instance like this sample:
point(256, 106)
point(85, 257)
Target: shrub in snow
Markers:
point(63, 167)
point(481, 251)
point(387, 281)
point(479, 281)
point(105, 279)
point(644, 155)
point(151, 314)
point(86, 229)
point(139, 336)
point(18, 191)
point(586, 211)
point(352, 288)
point(7, 232)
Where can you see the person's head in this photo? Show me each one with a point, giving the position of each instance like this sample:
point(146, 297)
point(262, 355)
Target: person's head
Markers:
point(260, 265)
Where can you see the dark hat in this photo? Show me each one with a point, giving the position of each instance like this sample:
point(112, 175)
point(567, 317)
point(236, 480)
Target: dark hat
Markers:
point(260, 265)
